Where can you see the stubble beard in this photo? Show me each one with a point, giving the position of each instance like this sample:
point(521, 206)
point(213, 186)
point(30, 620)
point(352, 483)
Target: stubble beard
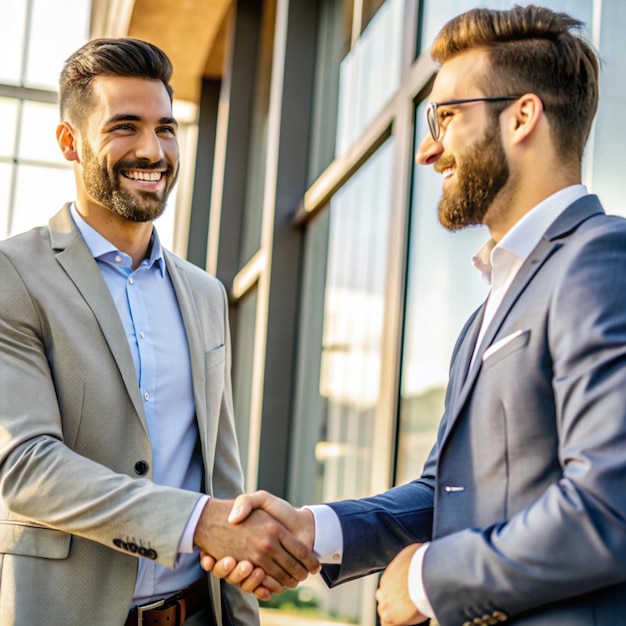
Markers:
point(105, 187)
point(481, 174)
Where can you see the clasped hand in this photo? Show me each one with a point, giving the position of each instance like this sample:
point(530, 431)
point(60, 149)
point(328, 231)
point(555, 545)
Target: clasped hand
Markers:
point(395, 606)
point(272, 546)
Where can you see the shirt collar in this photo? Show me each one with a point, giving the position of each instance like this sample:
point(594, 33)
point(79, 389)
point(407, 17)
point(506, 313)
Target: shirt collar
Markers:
point(521, 240)
point(100, 247)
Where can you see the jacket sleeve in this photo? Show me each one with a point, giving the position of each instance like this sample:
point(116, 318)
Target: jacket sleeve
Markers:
point(46, 483)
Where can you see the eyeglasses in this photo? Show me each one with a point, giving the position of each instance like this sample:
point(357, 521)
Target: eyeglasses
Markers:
point(433, 118)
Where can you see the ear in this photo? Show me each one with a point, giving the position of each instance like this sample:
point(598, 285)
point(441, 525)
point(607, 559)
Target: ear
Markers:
point(527, 113)
point(67, 140)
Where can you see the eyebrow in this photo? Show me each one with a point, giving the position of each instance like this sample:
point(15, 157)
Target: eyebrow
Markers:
point(129, 117)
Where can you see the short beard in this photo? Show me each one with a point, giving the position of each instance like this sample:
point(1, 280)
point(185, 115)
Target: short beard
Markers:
point(106, 188)
point(482, 172)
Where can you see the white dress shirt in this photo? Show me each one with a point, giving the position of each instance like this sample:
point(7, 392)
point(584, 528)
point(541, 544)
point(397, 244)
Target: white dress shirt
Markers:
point(499, 264)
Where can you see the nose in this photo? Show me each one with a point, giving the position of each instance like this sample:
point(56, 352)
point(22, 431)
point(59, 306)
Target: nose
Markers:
point(149, 147)
point(429, 151)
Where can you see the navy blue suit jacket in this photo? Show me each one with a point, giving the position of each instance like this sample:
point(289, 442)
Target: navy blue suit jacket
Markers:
point(533, 440)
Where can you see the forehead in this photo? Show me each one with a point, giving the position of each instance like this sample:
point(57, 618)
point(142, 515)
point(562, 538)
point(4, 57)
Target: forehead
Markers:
point(116, 95)
point(458, 77)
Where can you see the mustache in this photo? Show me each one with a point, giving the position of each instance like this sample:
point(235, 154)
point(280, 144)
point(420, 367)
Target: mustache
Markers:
point(444, 163)
point(142, 164)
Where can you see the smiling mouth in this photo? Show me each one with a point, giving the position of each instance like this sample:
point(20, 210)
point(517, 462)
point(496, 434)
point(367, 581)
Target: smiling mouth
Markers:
point(448, 172)
point(143, 176)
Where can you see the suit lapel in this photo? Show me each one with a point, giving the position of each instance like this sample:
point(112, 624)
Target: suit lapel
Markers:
point(191, 321)
point(462, 359)
point(74, 256)
point(552, 240)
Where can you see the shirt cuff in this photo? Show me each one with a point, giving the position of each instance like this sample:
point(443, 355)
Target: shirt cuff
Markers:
point(186, 541)
point(328, 544)
point(417, 590)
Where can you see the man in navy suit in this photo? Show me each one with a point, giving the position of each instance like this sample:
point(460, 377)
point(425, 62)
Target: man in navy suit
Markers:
point(520, 513)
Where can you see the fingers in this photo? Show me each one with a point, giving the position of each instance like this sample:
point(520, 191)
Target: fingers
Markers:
point(207, 562)
point(301, 552)
point(299, 522)
point(247, 502)
point(271, 585)
point(225, 567)
point(260, 539)
point(271, 553)
point(244, 575)
point(395, 606)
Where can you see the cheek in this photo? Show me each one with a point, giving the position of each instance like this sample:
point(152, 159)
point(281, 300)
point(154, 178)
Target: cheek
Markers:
point(171, 152)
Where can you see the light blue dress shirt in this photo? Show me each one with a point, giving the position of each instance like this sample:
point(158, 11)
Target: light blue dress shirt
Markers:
point(149, 311)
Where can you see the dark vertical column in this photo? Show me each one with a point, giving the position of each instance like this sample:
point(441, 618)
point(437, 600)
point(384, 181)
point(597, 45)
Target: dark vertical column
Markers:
point(286, 244)
point(201, 198)
point(233, 133)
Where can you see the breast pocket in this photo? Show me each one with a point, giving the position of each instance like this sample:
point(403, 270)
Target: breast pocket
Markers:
point(215, 357)
point(505, 346)
point(215, 367)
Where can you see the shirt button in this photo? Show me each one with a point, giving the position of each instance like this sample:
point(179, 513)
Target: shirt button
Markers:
point(142, 334)
point(131, 281)
point(336, 556)
point(141, 467)
point(146, 396)
point(118, 258)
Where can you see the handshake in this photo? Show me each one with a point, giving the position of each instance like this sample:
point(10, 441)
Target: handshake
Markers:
point(259, 543)
point(263, 545)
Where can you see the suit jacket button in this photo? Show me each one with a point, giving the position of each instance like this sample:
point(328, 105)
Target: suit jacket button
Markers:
point(141, 467)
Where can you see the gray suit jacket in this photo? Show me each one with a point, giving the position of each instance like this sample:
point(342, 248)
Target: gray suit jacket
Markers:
point(524, 493)
point(73, 511)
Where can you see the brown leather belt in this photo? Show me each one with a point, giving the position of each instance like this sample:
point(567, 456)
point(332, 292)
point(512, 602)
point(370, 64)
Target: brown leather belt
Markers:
point(171, 611)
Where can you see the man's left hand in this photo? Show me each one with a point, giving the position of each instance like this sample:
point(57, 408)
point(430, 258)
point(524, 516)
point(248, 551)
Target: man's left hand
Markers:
point(395, 606)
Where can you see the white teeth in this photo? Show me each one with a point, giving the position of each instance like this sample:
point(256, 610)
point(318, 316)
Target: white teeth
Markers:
point(448, 172)
point(151, 177)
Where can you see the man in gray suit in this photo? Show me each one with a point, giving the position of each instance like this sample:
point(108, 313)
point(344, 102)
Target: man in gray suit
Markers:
point(116, 421)
point(520, 513)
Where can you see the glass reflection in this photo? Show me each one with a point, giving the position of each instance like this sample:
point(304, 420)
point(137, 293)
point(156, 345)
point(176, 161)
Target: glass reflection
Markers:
point(443, 289)
point(46, 52)
point(436, 13)
point(338, 389)
point(12, 32)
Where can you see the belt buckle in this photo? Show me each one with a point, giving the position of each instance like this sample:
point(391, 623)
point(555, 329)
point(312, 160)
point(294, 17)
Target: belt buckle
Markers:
point(148, 607)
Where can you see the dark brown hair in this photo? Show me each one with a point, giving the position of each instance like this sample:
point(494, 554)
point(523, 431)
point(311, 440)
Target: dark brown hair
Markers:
point(533, 50)
point(108, 57)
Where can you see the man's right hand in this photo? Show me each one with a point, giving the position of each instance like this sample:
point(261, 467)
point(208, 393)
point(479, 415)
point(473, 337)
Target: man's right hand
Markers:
point(275, 544)
point(242, 573)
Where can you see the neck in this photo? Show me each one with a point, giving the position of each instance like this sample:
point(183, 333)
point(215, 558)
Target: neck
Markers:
point(132, 238)
point(514, 202)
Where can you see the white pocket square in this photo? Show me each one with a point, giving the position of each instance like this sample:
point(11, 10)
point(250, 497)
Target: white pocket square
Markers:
point(498, 345)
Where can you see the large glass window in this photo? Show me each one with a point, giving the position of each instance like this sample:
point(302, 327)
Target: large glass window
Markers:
point(12, 33)
point(443, 289)
point(336, 404)
point(36, 180)
point(370, 73)
point(46, 52)
point(436, 13)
